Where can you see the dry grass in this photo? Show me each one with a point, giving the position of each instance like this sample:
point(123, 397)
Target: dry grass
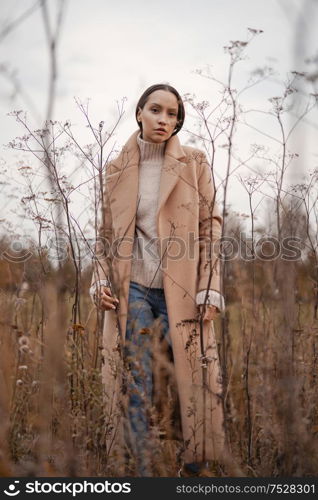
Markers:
point(51, 400)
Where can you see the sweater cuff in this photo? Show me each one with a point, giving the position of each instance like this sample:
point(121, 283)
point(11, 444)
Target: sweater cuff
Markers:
point(96, 285)
point(214, 298)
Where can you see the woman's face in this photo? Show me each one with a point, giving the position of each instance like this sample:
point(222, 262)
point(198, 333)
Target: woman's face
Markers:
point(159, 112)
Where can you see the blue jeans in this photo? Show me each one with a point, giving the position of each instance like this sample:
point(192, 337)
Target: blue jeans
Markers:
point(144, 306)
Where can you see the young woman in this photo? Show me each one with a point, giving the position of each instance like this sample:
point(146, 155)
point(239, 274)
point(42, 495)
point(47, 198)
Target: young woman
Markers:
point(159, 270)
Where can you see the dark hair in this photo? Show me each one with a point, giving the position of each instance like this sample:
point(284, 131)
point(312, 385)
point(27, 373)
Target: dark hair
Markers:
point(162, 86)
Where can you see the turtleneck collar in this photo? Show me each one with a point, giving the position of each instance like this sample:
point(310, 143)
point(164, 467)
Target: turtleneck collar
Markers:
point(150, 150)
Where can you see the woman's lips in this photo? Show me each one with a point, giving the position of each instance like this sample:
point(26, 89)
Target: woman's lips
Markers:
point(160, 131)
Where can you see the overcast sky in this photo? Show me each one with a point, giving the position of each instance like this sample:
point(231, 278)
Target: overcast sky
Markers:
point(113, 49)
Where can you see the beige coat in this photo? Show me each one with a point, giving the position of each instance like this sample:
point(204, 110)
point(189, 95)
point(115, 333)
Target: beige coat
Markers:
point(187, 222)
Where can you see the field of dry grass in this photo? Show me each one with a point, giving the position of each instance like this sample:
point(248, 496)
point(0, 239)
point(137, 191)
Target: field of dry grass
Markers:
point(51, 402)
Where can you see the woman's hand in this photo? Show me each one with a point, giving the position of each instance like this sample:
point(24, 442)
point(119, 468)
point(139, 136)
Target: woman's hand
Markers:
point(104, 300)
point(211, 312)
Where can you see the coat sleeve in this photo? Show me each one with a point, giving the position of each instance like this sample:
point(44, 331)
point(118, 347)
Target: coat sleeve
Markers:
point(103, 244)
point(210, 230)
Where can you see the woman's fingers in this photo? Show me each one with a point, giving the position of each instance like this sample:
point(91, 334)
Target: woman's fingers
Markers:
point(105, 300)
point(211, 312)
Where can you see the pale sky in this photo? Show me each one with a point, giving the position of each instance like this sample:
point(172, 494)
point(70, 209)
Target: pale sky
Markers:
point(109, 50)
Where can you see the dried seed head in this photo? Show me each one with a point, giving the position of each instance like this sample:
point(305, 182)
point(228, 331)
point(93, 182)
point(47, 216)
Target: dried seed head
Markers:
point(23, 340)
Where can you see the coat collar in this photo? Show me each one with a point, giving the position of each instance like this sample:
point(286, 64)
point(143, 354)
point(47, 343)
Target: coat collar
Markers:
point(126, 164)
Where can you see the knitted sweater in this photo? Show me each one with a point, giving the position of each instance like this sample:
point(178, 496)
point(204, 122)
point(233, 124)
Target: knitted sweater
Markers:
point(145, 266)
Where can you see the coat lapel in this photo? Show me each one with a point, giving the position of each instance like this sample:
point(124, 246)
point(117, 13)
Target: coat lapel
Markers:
point(124, 173)
point(171, 170)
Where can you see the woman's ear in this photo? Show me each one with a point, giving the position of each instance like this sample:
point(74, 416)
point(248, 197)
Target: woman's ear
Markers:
point(138, 115)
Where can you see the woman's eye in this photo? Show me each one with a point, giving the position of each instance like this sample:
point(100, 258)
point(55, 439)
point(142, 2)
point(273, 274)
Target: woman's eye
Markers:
point(171, 114)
